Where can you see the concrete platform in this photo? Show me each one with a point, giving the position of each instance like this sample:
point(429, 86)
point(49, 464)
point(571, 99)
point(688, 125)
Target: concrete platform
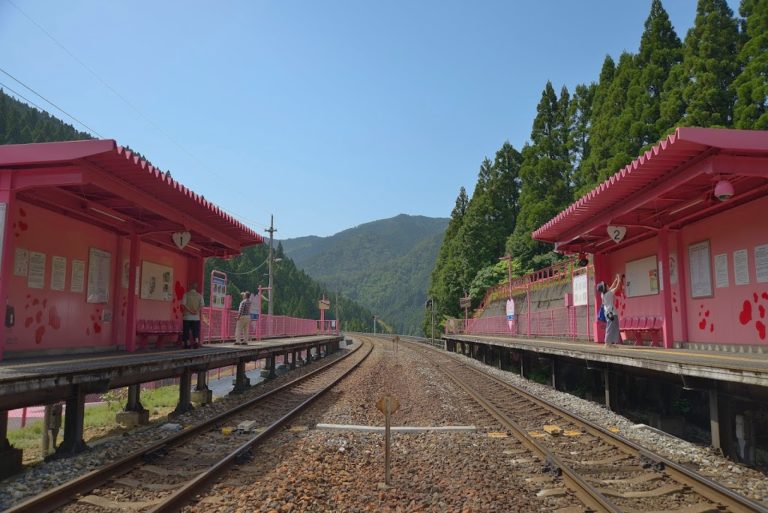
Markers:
point(34, 381)
point(744, 368)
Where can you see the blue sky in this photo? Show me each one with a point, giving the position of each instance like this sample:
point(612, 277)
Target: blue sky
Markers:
point(325, 114)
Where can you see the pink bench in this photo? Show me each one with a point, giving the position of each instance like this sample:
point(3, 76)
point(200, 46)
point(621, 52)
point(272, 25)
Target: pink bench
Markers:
point(637, 328)
point(159, 329)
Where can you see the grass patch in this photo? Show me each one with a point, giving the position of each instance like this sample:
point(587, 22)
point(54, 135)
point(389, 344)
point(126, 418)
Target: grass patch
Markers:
point(99, 418)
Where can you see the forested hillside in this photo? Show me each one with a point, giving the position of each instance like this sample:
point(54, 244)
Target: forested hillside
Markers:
point(297, 294)
point(383, 265)
point(716, 77)
point(20, 123)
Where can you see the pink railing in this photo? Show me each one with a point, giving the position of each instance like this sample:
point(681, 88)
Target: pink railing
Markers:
point(564, 322)
point(218, 325)
point(560, 271)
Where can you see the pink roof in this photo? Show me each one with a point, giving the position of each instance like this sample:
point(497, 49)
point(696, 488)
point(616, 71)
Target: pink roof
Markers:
point(669, 185)
point(113, 171)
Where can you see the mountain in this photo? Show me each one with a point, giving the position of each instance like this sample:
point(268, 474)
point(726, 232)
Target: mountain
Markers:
point(20, 123)
point(383, 265)
point(296, 293)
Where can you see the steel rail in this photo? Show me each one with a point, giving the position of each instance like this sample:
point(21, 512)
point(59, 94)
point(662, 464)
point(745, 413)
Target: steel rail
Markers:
point(184, 494)
point(584, 491)
point(711, 490)
point(59, 496)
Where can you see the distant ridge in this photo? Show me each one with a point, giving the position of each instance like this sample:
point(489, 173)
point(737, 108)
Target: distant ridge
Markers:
point(383, 265)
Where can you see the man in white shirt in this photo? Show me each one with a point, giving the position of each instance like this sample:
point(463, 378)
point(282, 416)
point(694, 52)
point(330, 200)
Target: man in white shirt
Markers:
point(243, 320)
point(191, 306)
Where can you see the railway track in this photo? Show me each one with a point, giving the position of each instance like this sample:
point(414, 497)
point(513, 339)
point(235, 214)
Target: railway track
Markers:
point(166, 475)
point(606, 471)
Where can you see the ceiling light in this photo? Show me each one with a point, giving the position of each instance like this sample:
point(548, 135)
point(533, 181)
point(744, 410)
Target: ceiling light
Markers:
point(723, 190)
point(108, 214)
point(686, 206)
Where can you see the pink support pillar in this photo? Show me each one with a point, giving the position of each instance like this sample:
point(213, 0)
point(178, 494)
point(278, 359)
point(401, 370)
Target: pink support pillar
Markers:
point(589, 319)
point(528, 304)
point(601, 272)
point(199, 266)
point(130, 314)
point(261, 319)
point(117, 288)
point(7, 208)
point(683, 287)
point(668, 332)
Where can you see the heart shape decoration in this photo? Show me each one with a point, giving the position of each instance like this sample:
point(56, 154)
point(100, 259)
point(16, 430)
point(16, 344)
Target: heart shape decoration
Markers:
point(617, 233)
point(181, 239)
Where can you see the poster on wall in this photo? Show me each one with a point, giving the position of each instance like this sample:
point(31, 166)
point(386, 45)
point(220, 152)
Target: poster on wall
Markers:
point(78, 276)
point(3, 208)
point(218, 291)
point(36, 276)
point(99, 270)
point(20, 262)
point(580, 289)
point(156, 281)
point(761, 263)
point(701, 272)
point(721, 270)
point(672, 272)
point(58, 272)
point(126, 274)
point(741, 267)
point(641, 277)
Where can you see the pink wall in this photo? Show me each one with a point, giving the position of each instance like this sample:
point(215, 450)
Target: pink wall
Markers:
point(735, 314)
point(48, 319)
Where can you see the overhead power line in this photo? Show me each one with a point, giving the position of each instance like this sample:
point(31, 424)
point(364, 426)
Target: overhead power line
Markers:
point(4, 86)
point(52, 104)
point(133, 107)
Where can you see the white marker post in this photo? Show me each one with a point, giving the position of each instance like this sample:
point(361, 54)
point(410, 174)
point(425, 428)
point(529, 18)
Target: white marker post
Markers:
point(387, 405)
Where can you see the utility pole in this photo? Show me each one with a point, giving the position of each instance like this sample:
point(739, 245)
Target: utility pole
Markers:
point(431, 305)
point(338, 320)
point(271, 231)
point(433, 321)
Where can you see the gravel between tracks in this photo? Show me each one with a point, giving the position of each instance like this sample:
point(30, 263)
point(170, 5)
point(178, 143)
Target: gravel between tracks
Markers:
point(342, 471)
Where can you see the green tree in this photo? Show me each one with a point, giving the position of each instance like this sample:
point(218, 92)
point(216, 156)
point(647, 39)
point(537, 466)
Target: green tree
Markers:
point(545, 173)
point(445, 286)
point(698, 91)
point(751, 86)
point(580, 121)
point(595, 154)
point(660, 51)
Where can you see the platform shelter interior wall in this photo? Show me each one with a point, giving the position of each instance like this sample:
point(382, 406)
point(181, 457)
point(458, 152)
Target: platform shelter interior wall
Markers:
point(48, 320)
point(154, 309)
point(736, 314)
point(650, 305)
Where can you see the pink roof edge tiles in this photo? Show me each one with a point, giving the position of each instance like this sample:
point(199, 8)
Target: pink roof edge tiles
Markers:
point(689, 139)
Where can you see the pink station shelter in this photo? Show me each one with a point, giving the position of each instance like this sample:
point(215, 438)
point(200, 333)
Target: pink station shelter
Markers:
point(94, 241)
point(686, 224)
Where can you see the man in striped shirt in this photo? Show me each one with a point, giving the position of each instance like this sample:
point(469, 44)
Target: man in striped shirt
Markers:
point(243, 320)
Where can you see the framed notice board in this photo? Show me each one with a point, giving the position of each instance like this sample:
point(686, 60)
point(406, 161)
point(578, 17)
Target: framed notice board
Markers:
point(641, 277)
point(700, 269)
